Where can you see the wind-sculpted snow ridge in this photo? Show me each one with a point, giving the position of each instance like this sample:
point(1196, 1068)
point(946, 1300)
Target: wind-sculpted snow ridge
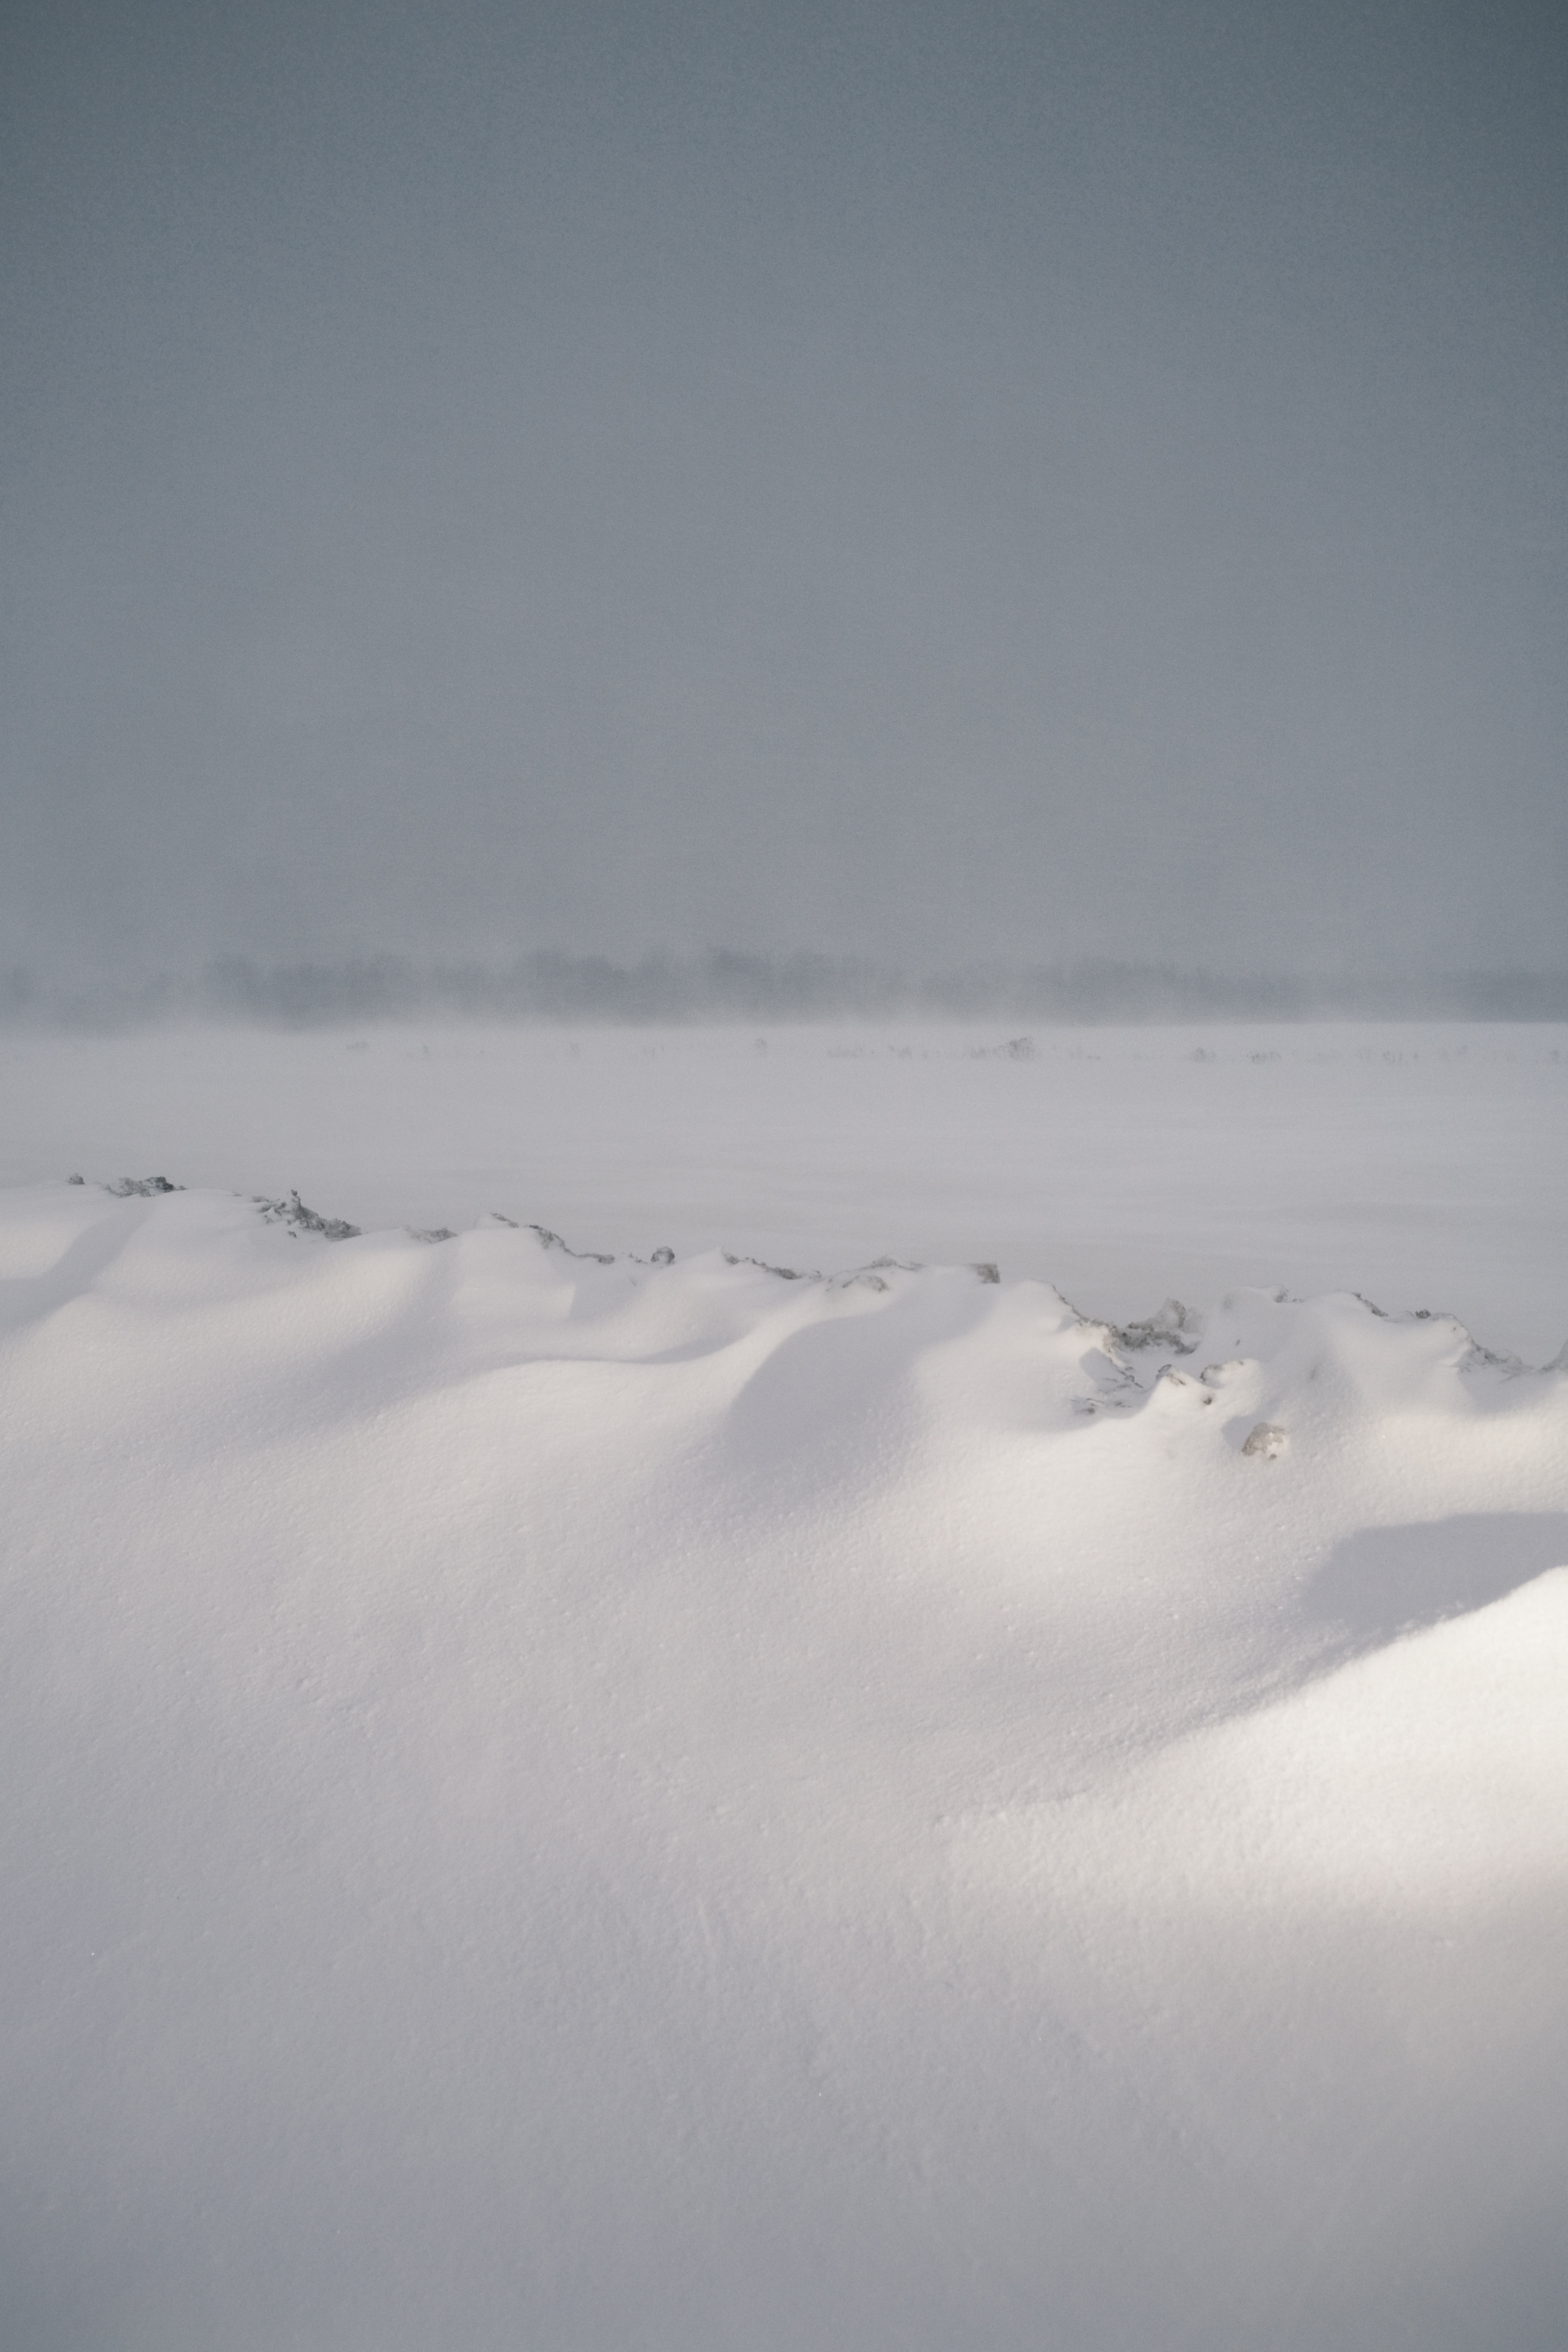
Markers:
point(569, 1800)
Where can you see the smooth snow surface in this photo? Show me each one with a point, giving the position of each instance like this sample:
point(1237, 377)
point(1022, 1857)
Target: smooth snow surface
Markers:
point(558, 1804)
point(1421, 1164)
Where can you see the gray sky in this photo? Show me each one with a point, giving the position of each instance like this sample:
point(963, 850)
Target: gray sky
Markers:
point(933, 480)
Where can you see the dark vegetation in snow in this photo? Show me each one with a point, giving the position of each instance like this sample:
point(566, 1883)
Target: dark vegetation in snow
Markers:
point(294, 1213)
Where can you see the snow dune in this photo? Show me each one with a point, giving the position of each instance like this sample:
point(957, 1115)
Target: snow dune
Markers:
point(569, 1802)
point(1419, 1163)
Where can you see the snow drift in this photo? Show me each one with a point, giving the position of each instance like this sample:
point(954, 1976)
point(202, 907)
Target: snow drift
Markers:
point(570, 1802)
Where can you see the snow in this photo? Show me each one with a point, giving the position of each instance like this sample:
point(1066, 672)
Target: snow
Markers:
point(1419, 1164)
point(568, 1801)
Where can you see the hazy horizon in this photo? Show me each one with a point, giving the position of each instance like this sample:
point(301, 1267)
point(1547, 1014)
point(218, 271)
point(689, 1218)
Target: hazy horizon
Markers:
point(730, 986)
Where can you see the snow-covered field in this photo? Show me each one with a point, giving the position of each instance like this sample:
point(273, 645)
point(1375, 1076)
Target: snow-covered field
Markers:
point(1421, 1165)
point(636, 1800)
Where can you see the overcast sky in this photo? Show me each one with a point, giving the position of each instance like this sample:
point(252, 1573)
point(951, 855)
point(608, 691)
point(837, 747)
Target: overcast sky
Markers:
point(939, 480)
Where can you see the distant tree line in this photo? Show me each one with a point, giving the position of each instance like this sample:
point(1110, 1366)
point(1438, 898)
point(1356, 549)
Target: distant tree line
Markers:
point(727, 985)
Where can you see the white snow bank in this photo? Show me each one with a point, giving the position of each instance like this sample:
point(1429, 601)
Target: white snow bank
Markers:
point(570, 1804)
point(1421, 1163)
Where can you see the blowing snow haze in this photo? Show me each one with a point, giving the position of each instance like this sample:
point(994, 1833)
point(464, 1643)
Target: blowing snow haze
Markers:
point(917, 482)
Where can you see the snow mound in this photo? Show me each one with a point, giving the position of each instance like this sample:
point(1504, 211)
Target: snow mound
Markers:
point(573, 1801)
